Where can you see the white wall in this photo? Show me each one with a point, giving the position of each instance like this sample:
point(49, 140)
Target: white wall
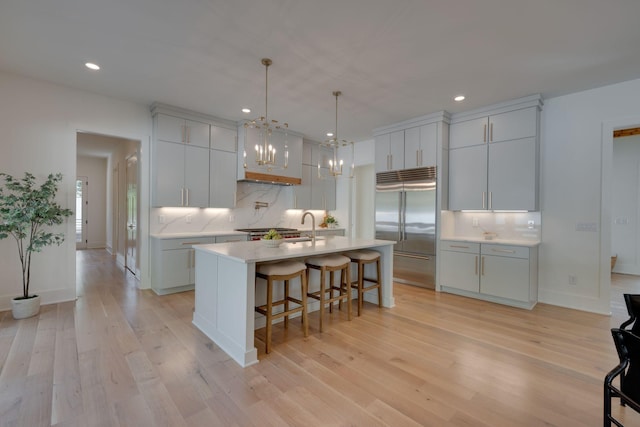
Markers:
point(39, 122)
point(576, 152)
point(625, 204)
point(95, 169)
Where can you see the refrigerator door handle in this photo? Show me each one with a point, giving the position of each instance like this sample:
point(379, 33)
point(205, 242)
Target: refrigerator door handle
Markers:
point(404, 215)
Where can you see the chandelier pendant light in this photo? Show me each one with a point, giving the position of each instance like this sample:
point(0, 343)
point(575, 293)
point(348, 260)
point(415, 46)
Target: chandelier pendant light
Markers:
point(334, 143)
point(265, 149)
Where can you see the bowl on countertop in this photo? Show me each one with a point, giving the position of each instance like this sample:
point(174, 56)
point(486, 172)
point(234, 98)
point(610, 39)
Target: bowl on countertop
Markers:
point(272, 243)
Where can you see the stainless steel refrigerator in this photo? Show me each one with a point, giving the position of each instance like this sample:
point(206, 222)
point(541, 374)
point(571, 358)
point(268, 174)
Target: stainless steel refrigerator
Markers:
point(406, 212)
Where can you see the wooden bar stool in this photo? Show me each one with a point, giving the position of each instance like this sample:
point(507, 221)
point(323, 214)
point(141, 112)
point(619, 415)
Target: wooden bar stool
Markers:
point(331, 264)
point(363, 257)
point(285, 271)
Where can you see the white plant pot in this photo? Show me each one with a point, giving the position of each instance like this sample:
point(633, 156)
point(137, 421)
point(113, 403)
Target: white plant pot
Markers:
point(23, 308)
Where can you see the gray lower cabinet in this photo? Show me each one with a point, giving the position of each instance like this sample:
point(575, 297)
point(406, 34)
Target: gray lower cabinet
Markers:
point(173, 261)
point(506, 274)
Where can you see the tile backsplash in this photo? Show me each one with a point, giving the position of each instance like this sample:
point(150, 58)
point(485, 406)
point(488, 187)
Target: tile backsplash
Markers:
point(506, 225)
point(274, 200)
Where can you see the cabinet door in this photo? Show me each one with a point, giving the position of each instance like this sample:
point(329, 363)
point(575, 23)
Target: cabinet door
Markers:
point(468, 178)
point(512, 181)
point(459, 270)
point(168, 174)
point(197, 133)
point(223, 139)
point(222, 179)
point(468, 133)
point(196, 177)
point(302, 192)
point(396, 150)
point(382, 153)
point(170, 128)
point(176, 268)
point(429, 145)
point(505, 277)
point(412, 148)
point(513, 125)
point(329, 194)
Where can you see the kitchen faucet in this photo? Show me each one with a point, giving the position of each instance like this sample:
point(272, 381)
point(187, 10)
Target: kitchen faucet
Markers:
point(313, 225)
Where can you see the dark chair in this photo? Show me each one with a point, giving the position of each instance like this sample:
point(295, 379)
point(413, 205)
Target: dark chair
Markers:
point(633, 308)
point(628, 370)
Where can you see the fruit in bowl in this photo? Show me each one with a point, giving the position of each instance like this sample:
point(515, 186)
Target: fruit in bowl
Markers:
point(272, 239)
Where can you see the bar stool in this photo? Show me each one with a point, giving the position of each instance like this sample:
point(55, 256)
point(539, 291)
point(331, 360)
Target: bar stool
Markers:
point(363, 257)
point(331, 264)
point(285, 271)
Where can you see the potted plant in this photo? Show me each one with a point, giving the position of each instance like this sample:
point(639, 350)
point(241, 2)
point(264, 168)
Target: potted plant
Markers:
point(26, 211)
point(331, 221)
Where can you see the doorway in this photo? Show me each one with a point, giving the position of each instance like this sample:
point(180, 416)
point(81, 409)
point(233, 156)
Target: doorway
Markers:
point(82, 205)
point(111, 165)
point(131, 261)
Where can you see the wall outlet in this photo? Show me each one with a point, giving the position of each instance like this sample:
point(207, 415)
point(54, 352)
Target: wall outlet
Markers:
point(475, 222)
point(160, 219)
point(187, 219)
point(573, 280)
point(531, 224)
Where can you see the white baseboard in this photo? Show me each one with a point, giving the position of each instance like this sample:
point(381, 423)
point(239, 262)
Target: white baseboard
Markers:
point(47, 297)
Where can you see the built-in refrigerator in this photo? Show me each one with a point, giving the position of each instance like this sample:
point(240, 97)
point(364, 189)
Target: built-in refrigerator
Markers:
point(406, 212)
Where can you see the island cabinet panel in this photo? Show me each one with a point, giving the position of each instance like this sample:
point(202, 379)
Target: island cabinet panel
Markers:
point(505, 274)
point(494, 158)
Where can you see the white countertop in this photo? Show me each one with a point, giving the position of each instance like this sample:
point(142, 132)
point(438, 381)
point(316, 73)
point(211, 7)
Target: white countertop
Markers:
point(495, 241)
point(192, 234)
point(256, 251)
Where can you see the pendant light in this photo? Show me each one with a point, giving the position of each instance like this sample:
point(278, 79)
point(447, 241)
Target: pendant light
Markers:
point(266, 154)
point(335, 164)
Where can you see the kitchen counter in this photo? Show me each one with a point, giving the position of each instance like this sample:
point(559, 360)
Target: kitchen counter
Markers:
point(495, 241)
point(192, 234)
point(225, 294)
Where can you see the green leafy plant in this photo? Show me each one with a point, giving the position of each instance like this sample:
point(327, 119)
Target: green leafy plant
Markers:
point(26, 210)
point(272, 235)
point(330, 220)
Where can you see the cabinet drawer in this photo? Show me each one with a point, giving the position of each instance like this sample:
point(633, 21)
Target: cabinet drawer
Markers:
point(505, 250)
point(232, 238)
point(168, 244)
point(460, 246)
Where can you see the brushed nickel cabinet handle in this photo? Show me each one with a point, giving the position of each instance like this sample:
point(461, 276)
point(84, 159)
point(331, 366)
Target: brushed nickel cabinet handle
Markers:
point(459, 246)
point(182, 197)
point(491, 131)
point(490, 199)
point(476, 264)
point(504, 251)
point(483, 200)
point(187, 196)
point(482, 270)
point(484, 133)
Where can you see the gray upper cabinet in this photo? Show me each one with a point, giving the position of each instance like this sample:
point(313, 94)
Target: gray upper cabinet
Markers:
point(493, 158)
point(420, 144)
point(314, 192)
point(182, 131)
point(389, 151)
point(193, 159)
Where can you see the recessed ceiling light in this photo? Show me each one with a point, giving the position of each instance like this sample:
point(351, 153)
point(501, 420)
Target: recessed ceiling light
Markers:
point(246, 110)
point(92, 66)
point(459, 98)
point(329, 133)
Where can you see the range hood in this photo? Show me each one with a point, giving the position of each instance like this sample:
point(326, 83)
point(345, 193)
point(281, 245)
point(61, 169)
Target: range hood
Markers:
point(250, 176)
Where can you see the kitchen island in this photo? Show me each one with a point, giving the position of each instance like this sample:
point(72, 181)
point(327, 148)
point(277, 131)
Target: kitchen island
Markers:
point(225, 285)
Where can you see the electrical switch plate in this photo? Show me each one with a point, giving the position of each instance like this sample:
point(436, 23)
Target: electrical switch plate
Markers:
point(160, 219)
point(188, 219)
point(530, 223)
point(476, 223)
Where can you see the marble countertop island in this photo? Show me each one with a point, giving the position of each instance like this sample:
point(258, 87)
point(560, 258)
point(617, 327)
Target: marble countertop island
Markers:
point(225, 291)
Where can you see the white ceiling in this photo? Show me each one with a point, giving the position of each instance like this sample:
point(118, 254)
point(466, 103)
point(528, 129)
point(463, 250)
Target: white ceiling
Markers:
point(393, 60)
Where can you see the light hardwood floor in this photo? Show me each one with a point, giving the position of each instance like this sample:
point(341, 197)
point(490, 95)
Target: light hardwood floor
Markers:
point(123, 357)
